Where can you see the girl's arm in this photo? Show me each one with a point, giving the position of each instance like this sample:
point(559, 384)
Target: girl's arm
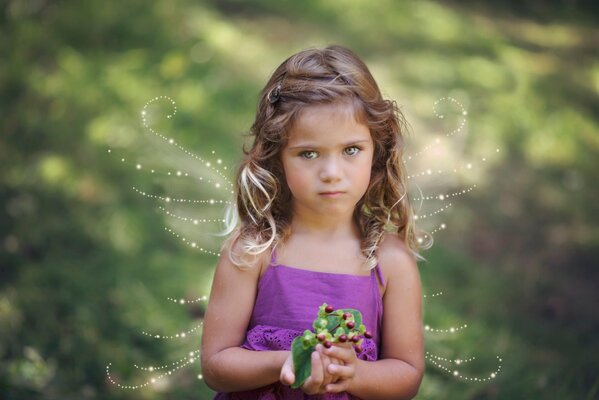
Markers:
point(399, 372)
point(225, 365)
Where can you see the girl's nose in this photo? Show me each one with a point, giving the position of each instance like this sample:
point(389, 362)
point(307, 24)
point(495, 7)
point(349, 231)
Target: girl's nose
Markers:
point(330, 170)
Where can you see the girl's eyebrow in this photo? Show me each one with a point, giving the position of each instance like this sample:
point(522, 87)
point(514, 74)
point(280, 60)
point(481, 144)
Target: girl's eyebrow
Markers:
point(309, 145)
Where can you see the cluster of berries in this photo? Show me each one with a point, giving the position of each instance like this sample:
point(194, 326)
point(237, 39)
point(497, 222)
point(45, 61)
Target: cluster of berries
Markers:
point(333, 326)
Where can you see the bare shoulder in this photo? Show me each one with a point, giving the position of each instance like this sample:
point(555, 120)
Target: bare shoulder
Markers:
point(226, 265)
point(396, 259)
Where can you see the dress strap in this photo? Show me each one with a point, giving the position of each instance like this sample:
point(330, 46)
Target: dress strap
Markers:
point(379, 274)
point(273, 257)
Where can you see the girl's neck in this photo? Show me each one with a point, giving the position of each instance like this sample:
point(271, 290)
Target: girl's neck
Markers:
point(323, 229)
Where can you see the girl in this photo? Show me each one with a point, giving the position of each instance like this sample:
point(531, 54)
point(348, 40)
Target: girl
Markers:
point(323, 217)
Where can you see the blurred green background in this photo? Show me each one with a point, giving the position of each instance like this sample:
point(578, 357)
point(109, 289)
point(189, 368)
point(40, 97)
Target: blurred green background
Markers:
point(86, 265)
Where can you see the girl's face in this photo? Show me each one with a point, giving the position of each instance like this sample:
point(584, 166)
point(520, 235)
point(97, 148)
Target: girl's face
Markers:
point(327, 161)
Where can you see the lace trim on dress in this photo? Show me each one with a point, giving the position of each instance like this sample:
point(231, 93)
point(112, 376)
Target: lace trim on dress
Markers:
point(265, 337)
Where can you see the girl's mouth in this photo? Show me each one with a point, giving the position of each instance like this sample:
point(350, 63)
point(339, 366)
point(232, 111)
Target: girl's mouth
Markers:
point(331, 194)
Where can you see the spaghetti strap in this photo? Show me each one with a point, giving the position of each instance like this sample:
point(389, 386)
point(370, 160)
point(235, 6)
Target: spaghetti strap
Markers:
point(273, 257)
point(379, 273)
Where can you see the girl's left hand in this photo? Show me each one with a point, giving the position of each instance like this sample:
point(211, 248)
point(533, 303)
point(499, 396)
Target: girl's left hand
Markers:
point(344, 370)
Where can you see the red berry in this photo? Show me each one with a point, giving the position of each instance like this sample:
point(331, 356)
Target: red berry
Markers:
point(368, 335)
point(321, 337)
point(327, 344)
point(343, 338)
point(346, 315)
point(329, 309)
point(351, 324)
point(355, 339)
point(358, 349)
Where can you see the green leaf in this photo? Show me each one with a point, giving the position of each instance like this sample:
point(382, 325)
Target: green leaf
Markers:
point(301, 361)
point(333, 322)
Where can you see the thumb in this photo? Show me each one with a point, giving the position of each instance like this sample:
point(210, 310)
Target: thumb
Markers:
point(287, 376)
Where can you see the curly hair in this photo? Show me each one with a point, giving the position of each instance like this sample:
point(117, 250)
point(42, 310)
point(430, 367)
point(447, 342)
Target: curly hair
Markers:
point(261, 217)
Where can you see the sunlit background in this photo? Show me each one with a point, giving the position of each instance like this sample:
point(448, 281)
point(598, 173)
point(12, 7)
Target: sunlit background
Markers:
point(90, 268)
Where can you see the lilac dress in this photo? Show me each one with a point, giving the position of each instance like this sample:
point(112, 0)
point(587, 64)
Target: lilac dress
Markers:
point(286, 305)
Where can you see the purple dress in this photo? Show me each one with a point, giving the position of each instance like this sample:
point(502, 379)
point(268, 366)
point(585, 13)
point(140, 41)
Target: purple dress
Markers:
point(286, 305)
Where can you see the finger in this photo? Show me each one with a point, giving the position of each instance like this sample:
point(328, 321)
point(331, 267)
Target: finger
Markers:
point(323, 353)
point(287, 376)
point(343, 353)
point(338, 387)
point(314, 381)
point(341, 371)
point(326, 361)
point(317, 371)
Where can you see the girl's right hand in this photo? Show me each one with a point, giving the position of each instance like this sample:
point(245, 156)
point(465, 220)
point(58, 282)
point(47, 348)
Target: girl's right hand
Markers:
point(318, 379)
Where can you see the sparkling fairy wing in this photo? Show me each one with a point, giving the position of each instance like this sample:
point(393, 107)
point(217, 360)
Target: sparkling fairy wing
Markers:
point(438, 177)
point(190, 193)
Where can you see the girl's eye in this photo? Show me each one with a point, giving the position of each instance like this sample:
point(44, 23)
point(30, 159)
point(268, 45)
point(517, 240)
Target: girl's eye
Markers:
point(352, 151)
point(309, 155)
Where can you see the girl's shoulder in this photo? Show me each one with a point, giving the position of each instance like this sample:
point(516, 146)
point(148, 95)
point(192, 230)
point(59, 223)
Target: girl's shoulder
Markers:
point(258, 263)
point(395, 257)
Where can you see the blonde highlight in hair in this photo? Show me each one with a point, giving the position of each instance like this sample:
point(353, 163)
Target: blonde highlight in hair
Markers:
point(261, 216)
